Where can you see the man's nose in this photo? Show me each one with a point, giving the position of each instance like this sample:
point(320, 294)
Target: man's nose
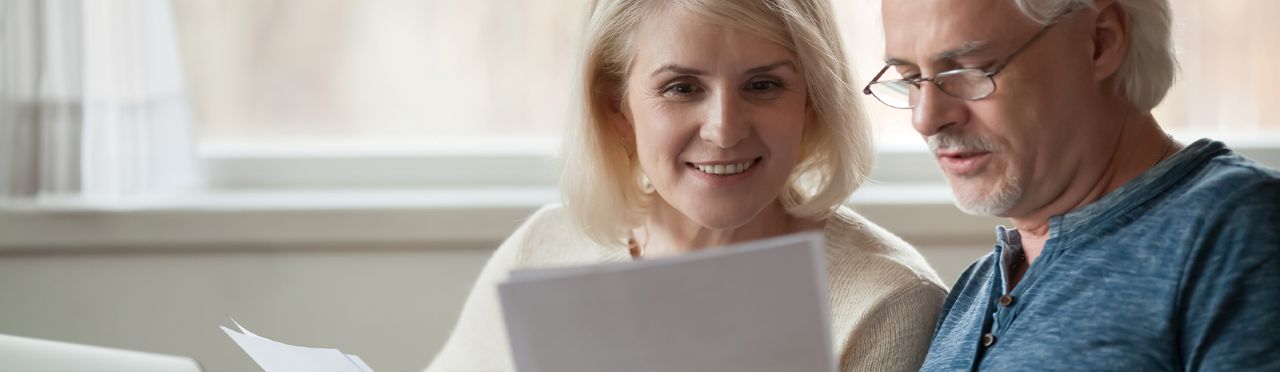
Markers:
point(935, 110)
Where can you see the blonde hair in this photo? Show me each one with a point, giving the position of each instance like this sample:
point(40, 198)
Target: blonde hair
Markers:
point(602, 184)
point(1150, 66)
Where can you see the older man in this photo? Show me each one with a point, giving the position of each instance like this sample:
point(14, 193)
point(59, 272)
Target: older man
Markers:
point(1129, 250)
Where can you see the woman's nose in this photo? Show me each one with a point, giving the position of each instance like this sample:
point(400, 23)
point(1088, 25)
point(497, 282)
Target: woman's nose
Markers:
point(725, 124)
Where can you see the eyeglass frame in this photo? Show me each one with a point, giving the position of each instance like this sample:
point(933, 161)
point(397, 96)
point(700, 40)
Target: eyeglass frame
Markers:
point(988, 74)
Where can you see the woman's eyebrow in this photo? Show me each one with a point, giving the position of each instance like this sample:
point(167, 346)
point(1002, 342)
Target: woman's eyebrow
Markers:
point(683, 70)
point(677, 69)
point(771, 67)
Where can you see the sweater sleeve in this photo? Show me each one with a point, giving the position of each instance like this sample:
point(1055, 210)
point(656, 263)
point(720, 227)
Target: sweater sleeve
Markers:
point(895, 334)
point(479, 340)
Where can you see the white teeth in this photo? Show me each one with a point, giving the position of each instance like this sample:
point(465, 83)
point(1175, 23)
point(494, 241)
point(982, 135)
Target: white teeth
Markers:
point(725, 169)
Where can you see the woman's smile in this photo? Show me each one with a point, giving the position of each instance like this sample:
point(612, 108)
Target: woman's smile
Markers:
point(722, 173)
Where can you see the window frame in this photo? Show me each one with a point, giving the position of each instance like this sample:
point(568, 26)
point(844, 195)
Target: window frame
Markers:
point(466, 196)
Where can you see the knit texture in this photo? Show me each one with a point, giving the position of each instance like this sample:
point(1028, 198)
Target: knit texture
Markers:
point(884, 296)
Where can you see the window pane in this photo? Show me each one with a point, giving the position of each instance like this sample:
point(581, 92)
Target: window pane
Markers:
point(422, 71)
point(1229, 86)
point(265, 71)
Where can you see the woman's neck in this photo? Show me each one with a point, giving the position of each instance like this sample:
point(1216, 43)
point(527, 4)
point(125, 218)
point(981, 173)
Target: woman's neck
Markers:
point(668, 232)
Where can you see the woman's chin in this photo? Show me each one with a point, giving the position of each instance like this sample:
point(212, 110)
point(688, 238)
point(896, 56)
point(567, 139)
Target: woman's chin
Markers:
point(720, 217)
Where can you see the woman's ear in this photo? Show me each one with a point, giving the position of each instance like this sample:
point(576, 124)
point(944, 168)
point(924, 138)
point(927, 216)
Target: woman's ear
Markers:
point(619, 116)
point(1111, 39)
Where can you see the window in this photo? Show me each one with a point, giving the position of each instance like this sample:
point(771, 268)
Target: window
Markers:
point(1229, 82)
point(424, 74)
point(277, 72)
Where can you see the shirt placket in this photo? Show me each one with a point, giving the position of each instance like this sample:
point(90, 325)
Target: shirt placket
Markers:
point(1001, 301)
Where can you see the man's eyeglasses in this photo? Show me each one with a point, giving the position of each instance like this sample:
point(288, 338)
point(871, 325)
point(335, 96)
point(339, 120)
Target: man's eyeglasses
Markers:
point(969, 84)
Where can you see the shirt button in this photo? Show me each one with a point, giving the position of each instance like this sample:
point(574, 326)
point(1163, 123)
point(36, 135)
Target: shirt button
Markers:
point(1007, 300)
point(988, 340)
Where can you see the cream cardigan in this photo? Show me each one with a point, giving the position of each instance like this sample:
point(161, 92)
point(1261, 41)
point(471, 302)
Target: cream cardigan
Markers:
point(884, 296)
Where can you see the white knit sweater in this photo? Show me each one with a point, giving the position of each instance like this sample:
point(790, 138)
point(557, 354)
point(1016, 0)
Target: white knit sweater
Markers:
point(884, 296)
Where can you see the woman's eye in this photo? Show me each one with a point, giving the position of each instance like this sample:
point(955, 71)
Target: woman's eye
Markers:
point(761, 86)
point(680, 90)
point(764, 89)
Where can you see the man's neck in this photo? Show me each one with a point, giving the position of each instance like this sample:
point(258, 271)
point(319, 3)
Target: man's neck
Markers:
point(1140, 145)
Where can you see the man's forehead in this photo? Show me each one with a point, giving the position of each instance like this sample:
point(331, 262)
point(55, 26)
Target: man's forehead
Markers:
point(924, 31)
point(967, 48)
point(985, 11)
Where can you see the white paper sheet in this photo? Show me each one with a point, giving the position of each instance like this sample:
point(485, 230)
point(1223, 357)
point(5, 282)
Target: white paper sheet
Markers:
point(275, 356)
point(759, 306)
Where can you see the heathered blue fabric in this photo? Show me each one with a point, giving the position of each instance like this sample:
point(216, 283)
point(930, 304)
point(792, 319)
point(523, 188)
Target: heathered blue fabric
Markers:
point(1177, 270)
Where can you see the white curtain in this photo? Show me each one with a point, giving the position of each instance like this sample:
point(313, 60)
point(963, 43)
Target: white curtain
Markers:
point(92, 102)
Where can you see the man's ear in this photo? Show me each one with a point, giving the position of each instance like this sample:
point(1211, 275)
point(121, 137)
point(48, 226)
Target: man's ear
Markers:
point(1111, 39)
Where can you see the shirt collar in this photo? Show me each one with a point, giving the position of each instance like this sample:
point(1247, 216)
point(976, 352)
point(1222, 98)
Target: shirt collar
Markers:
point(1008, 247)
point(1139, 190)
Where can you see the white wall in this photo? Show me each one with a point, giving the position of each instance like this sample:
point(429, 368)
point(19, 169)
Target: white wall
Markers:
point(392, 305)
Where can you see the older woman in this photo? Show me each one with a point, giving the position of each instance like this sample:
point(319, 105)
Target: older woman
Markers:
point(710, 122)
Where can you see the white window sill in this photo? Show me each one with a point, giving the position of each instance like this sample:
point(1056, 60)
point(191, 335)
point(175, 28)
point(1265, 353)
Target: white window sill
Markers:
point(409, 217)
point(318, 200)
point(276, 218)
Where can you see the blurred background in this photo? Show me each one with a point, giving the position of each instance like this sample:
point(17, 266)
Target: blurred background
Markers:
point(333, 173)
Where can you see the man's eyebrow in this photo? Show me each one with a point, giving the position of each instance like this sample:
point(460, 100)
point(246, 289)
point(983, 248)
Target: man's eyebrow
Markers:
point(771, 67)
point(962, 50)
point(677, 69)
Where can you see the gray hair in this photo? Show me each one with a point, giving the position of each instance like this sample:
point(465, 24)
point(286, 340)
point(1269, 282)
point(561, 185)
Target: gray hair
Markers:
point(1149, 69)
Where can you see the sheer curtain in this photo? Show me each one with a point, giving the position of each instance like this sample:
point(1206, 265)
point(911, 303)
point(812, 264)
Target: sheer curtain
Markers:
point(92, 102)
